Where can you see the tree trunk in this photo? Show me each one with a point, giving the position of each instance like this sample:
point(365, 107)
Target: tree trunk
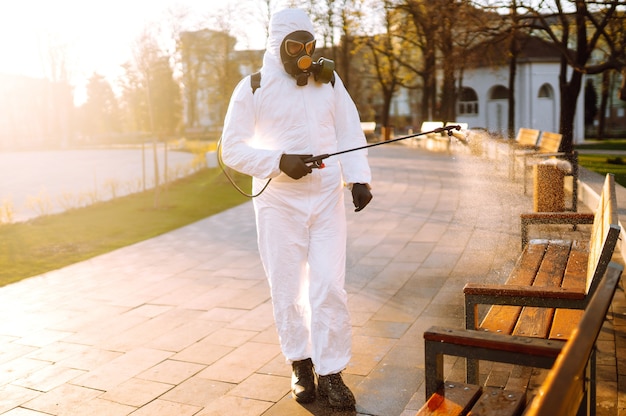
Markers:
point(387, 96)
point(569, 97)
point(156, 174)
point(622, 88)
point(143, 164)
point(448, 95)
point(604, 100)
point(513, 51)
point(511, 115)
point(345, 61)
point(430, 89)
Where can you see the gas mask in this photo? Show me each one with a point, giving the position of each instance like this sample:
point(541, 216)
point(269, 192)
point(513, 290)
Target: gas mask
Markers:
point(296, 53)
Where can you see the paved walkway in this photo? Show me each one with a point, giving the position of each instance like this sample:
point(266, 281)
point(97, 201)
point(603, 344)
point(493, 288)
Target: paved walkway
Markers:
point(182, 324)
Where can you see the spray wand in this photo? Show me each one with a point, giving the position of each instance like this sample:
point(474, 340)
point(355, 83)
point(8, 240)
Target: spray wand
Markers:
point(317, 161)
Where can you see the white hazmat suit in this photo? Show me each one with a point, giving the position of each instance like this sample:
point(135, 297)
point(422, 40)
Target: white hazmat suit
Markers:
point(301, 224)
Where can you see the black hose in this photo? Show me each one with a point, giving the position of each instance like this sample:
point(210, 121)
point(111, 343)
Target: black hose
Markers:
point(230, 179)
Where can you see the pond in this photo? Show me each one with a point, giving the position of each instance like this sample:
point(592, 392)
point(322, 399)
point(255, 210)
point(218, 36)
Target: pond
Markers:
point(34, 183)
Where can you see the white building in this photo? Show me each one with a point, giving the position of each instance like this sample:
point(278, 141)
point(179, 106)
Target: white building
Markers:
point(483, 102)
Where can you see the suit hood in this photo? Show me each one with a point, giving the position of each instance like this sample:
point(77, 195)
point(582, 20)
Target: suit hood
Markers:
point(281, 24)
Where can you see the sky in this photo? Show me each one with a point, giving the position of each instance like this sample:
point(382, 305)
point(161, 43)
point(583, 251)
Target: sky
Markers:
point(97, 35)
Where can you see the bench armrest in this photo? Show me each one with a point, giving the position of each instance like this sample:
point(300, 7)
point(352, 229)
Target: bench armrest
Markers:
point(551, 154)
point(557, 217)
point(518, 294)
point(563, 218)
point(538, 347)
point(438, 342)
point(521, 150)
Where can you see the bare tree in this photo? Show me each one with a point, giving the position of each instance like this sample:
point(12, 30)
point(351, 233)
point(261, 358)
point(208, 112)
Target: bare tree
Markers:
point(190, 48)
point(447, 25)
point(225, 74)
point(57, 68)
point(100, 112)
point(422, 37)
point(152, 95)
point(350, 16)
point(578, 28)
point(382, 59)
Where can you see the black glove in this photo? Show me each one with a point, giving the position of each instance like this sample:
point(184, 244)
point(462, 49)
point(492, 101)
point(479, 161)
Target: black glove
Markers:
point(361, 196)
point(294, 166)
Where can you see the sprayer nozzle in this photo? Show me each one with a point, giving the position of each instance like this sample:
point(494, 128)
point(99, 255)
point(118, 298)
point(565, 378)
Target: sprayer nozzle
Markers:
point(462, 137)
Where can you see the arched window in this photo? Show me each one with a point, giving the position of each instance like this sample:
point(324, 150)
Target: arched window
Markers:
point(499, 92)
point(468, 102)
point(545, 91)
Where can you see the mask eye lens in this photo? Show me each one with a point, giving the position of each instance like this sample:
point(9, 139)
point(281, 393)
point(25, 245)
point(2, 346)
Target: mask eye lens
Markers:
point(293, 47)
point(310, 47)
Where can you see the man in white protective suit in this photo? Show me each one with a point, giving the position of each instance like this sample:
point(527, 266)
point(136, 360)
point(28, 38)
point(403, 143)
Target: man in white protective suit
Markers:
point(299, 108)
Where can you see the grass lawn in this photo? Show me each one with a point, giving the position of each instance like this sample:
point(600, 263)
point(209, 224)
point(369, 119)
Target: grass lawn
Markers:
point(53, 241)
point(604, 163)
point(606, 144)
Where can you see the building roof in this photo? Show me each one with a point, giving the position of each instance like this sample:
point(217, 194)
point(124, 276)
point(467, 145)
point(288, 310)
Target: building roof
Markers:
point(496, 53)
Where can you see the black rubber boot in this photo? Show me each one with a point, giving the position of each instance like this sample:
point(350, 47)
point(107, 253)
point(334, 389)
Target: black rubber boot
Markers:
point(338, 394)
point(303, 381)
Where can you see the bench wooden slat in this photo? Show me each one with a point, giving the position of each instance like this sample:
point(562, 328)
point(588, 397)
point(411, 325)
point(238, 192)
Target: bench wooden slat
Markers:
point(564, 323)
point(536, 268)
point(577, 263)
point(528, 264)
point(527, 137)
point(533, 321)
point(604, 233)
point(565, 320)
point(451, 399)
point(498, 402)
point(501, 319)
point(550, 142)
point(552, 267)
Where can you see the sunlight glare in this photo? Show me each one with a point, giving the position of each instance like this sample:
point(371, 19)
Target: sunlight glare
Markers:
point(37, 36)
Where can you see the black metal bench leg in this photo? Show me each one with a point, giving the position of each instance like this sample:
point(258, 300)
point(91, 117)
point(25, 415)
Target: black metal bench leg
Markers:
point(434, 368)
point(471, 371)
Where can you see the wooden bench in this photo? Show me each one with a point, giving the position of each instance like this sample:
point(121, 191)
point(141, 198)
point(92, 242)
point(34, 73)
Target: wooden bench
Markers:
point(525, 140)
point(552, 281)
point(567, 389)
